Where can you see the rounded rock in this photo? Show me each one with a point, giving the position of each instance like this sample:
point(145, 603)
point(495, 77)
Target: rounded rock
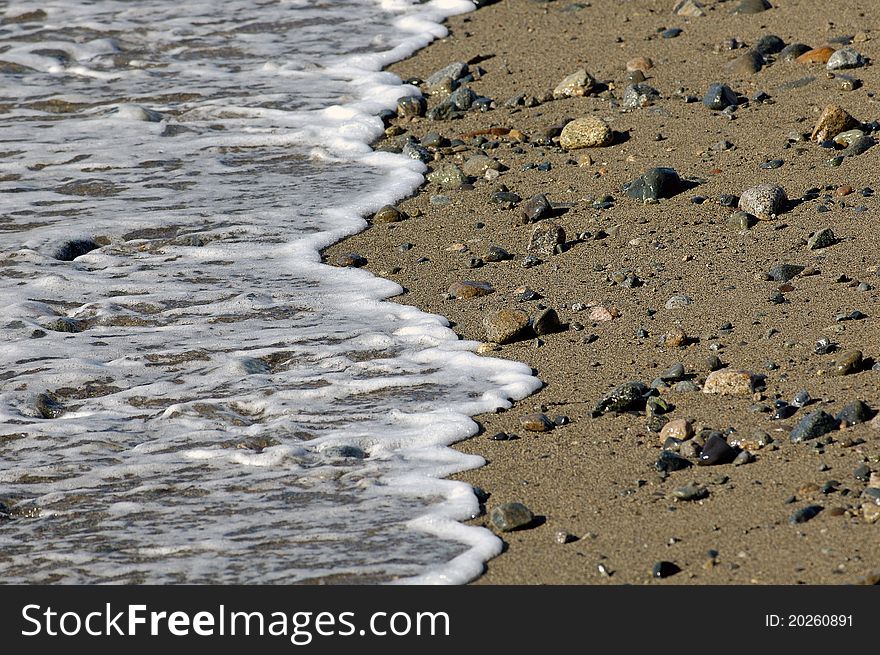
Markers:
point(505, 325)
point(730, 383)
point(588, 132)
point(511, 516)
point(764, 201)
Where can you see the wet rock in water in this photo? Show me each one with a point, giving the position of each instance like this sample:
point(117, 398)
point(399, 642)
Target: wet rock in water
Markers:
point(447, 176)
point(664, 569)
point(547, 322)
point(832, 121)
point(805, 514)
point(813, 425)
point(70, 250)
point(536, 422)
point(411, 106)
point(546, 239)
point(626, 397)
point(65, 324)
point(747, 63)
point(716, 450)
point(792, 51)
point(764, 201)
point(467, 289)
point(579, 83)
point(785, 272)
point(505, 325)
point(752, 7)
point(48, 406)
point(343, 451)
point(849, 361)
point(588, 132)
point(719, 96)
point(731, 383)
point(845, 58)
point(511, 516)
point(660, 182)
point(690, 8)
point(349, 260)
point(536, 208)
point(639, 95)
point(821, 239)
point(670, 461)
point(389, 214)
point(690, 492)
point(679, 428)
point(856, 411)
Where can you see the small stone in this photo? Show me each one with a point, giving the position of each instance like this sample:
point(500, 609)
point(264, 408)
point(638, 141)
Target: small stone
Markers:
point(447, 176)
point(547, 322)
point(600, 314)
point(764, 201)
point(70, 250)
point(579, 83)
point(48, 406)
point(871, 512)
point(511, 516)
point(639, 95)
point(389, 214)
point(801, 399)
point(468, 289)
point(453, 72)
point(821, 239)
point(813, 425)
point(626, 397)
point(792, 51)
point(785, 272)
point(496, 254)
point(719, 96)
point(747, 63)
point(690, 8)
point(713, 363)
point(731, 383)
point(477, 165)
point(804, 514)
point(673, 373)
point(562, 537)
point(411, 106)
point(664, 569)
point(545, 239)
point(832, 121)
point(670, 461)
point(536, 422)
point(769, 44)
point(505, 325)
point(752, 441)
point(642, 64)
point(745, 457)
point(681, 429)
point(856, 411)
point(845, 58)
point(862, 473)
point(65, 324)
point(716, 450)
point(671, 33)
point(816, 56)
point(588, 132)
point(690, 492)
point(675, 337)
point(848, 362)
point(536, 208)
point(656, 183)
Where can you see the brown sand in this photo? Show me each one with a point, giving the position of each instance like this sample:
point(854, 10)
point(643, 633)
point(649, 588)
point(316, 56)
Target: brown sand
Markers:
point(595, 478)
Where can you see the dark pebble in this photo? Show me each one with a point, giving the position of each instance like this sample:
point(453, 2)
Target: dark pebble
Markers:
point(661, 182)
point(792, 51)
point(664, 569)
point(48, 407)
point(785, 272)
point(547, 322)
point(862, 473)
point(804, 514)
point(773, 163)
point(670, 461)
point(70, 250)
point(671, 33)
point(769, 44)
point(716, 451)
point(856, 411)
point(626, 397)
point(536, 208)
point(719, 96)
point(813, 425)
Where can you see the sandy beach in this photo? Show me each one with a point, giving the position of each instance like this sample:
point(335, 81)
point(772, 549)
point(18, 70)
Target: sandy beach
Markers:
point(697, 285)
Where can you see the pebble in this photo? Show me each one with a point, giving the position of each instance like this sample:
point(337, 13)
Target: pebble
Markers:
point(48, 406)
point(389, 214)
point(690, 492)
point(813, 425)
point(664, 569)
point(845, 58)
point(821, 239)
point(629, 396)
point(671, 33)
point(411, 106)
point(477, 166)
point(511, 516)
point(792, 51)
point(675, 337)
point(752, 7)
point(536, 422)
point(600, 313)
point(563, 537)
point(536, 208)
point(849, 361)
point(579, 83)
point(832, 121)
point(642, 64)
point(804, 514)
point(639, 95)
point(673, 373)
point(505, 325)
point(719, 96)
point(816, 56)
point(588, 132)
point(745, 457)
point(785, 272)
point(856, 411)
point(547, 322)
point(752, 441)
point(349, 260)
point(656, 183)
point(546, 239)
point(747, 63)
point(447, 175)
point(713, 363)
point(716, 450)
point(681, 429)
point(764, 201)
point(453, 72)
point(70, 250)
point(468, 289)
point(690, 8)
point(670, 461)
point(496, 254)
point(769, 44)
point(731, 383)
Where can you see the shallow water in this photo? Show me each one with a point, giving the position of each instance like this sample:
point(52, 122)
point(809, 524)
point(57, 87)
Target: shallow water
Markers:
point(218, 406)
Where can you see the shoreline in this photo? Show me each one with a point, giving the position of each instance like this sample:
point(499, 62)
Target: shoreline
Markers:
point(612, 285)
